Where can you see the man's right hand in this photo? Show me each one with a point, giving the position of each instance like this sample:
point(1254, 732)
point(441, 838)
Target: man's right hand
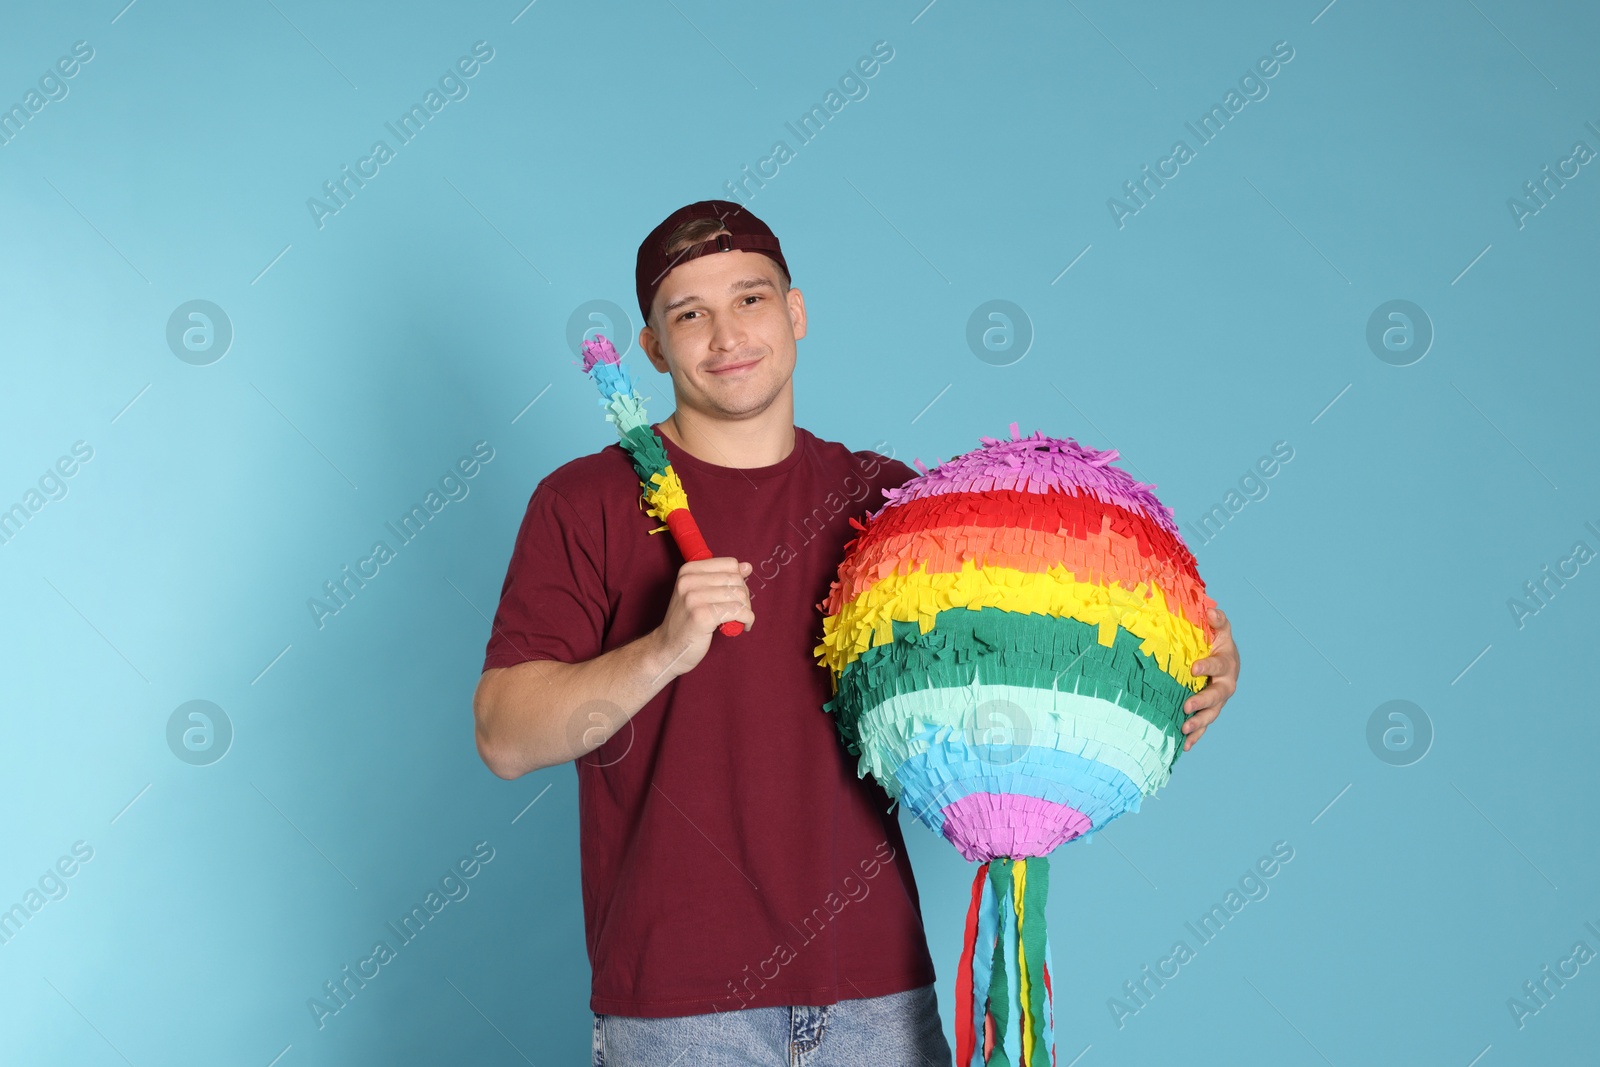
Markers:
point(540, 713)
point(708, 593)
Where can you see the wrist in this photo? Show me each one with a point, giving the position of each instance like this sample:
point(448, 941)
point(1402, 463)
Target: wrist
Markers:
point(660, 659)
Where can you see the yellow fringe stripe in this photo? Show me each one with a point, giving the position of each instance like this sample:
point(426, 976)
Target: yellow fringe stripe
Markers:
point(1019, 880)
point(1172, 641)
point(666, 496)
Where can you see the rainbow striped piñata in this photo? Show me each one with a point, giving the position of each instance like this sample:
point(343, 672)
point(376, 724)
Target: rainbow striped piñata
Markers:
point(1009, 639)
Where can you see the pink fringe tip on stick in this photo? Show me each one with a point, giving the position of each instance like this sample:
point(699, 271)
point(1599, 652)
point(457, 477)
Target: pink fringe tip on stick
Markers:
point(599, 350)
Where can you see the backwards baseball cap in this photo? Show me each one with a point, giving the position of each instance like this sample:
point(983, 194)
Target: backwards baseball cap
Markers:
point(746, 233)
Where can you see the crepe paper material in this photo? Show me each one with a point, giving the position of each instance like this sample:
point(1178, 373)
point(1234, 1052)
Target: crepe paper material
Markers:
point(1003, 980)
point(986, 826)
point(1026, 1019)
point(972, 972)
point(1067, 795)
point(1171, 640)
point(1010, 641)
point(1049, 969)
point(1033, 885)
point(1004, 1013)
point(1016, 726)
point(991, 647)
point(1050, 742)
point(663, 495)
point(1015, 1033)
point(1096, 540)
point(687, 535)
point(1035, 464)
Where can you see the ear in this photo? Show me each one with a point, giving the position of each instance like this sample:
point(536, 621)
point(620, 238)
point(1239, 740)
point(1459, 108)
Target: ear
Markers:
point(797, 311)
point(652, 349)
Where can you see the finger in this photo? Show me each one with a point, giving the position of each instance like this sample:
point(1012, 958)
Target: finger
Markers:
point(736, 609)
point(1222, 643)
point(1223, 657)
point(714, 565)
point(722, 583)
point(1201, 719)
point(1215, 666)
point(1189, 742)
point(734, 595)
point(1219, 621)
point(722, 589)
point(1207, 698)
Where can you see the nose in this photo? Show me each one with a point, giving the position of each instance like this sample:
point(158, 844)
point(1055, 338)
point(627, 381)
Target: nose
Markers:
point(728, 333)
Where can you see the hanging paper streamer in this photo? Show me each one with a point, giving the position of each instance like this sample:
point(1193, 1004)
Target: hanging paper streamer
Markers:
point(663, 495)
point(1010, 640)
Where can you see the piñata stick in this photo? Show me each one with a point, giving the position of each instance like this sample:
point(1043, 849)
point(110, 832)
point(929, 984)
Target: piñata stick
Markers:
point(663, 492)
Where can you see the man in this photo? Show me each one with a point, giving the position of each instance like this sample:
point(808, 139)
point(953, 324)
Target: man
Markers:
point(746, 896)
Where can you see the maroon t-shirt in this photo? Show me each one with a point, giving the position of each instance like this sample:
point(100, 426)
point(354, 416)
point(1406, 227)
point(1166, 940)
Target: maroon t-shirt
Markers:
point(731, 856)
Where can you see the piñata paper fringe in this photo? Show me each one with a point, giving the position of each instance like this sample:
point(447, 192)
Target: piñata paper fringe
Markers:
point(1098, 542)
point(919, 596)
point(1037, 464)
point(1005, 1002)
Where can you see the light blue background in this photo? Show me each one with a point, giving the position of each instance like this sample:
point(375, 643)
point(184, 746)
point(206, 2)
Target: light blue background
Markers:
point(428, 314)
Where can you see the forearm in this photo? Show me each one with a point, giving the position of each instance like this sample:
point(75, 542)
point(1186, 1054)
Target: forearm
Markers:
point(542, 712)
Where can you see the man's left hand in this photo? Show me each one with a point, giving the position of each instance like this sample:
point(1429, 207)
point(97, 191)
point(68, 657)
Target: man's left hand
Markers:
point(1222, 669)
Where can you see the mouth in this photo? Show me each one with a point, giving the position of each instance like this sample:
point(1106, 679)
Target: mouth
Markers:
point(735, 368)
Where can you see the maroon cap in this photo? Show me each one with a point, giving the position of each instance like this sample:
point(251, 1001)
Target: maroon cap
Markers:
point(746, 233)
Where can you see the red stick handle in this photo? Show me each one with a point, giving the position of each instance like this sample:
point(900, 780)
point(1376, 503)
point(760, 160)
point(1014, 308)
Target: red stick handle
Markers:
point(686, 532)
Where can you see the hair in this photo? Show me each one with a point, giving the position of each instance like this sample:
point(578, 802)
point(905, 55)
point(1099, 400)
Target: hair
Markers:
point(694, 231)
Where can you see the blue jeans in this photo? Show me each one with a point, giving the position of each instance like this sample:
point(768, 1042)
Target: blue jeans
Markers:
point(897, 1030)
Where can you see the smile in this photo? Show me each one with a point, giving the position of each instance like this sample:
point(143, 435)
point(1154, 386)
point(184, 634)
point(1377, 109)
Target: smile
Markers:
point(736, 368)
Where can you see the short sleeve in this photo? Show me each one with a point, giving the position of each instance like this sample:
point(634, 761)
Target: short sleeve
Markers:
point(553, 604)
point(882, 472)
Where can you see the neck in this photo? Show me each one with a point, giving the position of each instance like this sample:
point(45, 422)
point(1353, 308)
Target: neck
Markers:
point(758, 442)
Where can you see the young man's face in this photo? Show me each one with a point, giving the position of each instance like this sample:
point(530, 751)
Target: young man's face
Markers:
point(724, 330)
